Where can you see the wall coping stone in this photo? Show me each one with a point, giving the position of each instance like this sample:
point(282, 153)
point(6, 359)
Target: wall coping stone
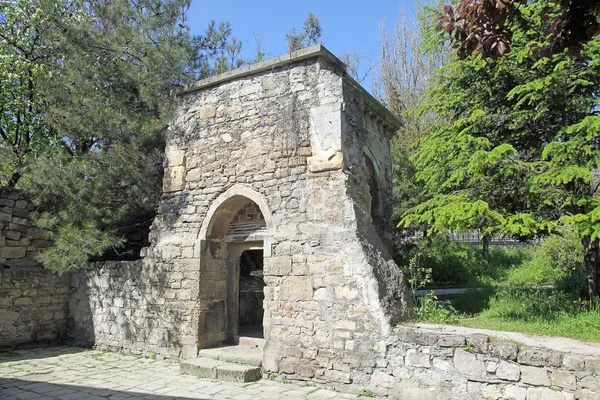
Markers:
point(289, 58)
point(556, 343)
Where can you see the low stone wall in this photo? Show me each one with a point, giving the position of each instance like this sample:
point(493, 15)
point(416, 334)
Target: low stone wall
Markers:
point(33, 305)
point(20, 241)
point(130, 305)
point(417, 363)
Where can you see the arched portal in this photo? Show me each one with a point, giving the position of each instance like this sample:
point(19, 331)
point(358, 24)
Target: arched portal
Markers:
point(232, 238)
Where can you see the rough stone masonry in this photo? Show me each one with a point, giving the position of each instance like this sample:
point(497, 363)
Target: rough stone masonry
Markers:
point(298, 141)
point(302, 141)
point(291, 158)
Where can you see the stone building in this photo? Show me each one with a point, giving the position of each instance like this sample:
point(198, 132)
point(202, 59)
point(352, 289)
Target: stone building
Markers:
point(275, 218)
point(287, 161)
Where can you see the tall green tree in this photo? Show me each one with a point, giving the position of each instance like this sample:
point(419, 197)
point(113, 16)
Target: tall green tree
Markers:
point(517, 152)
point(85, 101)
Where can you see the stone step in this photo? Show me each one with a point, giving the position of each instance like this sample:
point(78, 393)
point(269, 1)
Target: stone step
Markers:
point(241, 353)
point(217, 369)
point(250, 341)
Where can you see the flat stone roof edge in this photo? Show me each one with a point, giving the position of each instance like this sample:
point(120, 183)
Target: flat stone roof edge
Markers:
point(286, 59)
point(272, 63)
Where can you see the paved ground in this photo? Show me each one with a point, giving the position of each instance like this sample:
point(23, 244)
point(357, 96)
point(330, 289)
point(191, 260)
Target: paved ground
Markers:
point(73, 373)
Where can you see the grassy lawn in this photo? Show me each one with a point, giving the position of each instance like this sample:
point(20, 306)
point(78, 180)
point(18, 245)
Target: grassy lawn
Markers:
point(583, 326)
point(531, 290)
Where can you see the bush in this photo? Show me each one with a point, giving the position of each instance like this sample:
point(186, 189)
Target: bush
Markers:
point(556, 261)
point(430, 309)
point(460, 264)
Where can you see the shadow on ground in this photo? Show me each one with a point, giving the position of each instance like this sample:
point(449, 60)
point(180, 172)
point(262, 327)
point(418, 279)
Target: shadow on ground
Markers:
point(16, 389)
point(36, 352)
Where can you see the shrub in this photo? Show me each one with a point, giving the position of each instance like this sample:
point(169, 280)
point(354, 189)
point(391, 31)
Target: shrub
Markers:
point(556, 261)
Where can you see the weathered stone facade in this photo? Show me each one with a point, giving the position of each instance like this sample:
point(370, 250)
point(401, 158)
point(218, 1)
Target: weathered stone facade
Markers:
point(20, 241)
point(289, 157)
point(423, 364)
point(34, 305)
point(304, 143)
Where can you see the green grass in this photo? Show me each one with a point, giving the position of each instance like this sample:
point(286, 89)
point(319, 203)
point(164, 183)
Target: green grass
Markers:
point(582, 326)
point(533, 290)
point(538, 311)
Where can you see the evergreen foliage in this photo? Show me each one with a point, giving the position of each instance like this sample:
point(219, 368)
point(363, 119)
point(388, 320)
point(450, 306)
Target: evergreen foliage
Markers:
point(516, 151)
point(85, 100)
point(310, 34)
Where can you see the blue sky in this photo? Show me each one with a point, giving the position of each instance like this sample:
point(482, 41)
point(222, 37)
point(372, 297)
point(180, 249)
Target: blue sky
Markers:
point(346, 25)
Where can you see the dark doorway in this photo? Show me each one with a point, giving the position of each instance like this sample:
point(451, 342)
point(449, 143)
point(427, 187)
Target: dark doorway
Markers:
point(250, 315)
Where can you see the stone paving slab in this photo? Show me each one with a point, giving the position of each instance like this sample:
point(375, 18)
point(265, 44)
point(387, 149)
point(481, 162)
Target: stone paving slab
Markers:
point(74, 373)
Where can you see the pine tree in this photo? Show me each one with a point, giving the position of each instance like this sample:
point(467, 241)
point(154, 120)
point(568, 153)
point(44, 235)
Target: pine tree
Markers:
point(85, 102)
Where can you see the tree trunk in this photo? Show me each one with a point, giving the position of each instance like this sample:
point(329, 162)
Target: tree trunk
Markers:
point(485, 251)
point(14, 179)
point(592, 269)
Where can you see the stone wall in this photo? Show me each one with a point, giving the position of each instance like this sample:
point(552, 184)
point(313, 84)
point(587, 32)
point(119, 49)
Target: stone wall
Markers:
point(34, 304)
point(20, 241)
point(417, 363)
point(130, 305)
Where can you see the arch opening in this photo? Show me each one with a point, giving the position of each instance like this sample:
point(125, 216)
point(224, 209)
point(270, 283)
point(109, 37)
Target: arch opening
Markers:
point(231, 283)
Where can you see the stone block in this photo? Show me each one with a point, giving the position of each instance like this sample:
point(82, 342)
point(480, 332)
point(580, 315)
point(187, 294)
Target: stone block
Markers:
point(278, 266)
point(23, 301)
point(403, 391)
point(591, 382)
point(417, 359)
point(592, 363)
point(22, 204)
point(451, 341)
point(381, 379)
point(443, 365)
point(288, 365)
point(13, 252)
point(319, 163)
point(478, 342)
point(491, 392)
point(563, 379)
point(504, 350)
point(208, 111)
point(20, 221)
point(468, 364)
point(543, 393)
point(36, 233)
point(21, 213)
point(174, 179)
point(586, 394)
point(325, 127)
point(573, 362)
point(337, 376)
point(515, 393)
point(17, 227)
point(174, 157)
point(535, 376)
point(345, 325)
point(295, 288)
point(540, 357)
point(42, 244)
point(508, 371)
point(5, 217)
point(411, 335)
point(13, 235)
